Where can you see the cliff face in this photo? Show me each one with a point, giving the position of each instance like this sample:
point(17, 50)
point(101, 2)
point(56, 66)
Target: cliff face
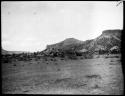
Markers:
point(106, 40)
point(116, 33)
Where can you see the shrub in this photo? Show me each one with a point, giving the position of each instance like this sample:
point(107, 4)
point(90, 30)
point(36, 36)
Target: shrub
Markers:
point(14, 64)
point(51, 59)
point(79, 54)
point(62, 58)
point(116, 56)
point(45, 59)
point(54, 59)
point(93, 76)
point(6, 61)
point(81, 58)
point(58, 69)
point(62, 55)
point(107, 57)
point(72, 57)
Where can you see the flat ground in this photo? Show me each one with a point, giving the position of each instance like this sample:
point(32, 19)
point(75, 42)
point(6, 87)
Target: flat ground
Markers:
point(100, 75)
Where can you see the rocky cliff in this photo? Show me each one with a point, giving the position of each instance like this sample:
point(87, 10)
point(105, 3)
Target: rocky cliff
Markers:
point(105, 41)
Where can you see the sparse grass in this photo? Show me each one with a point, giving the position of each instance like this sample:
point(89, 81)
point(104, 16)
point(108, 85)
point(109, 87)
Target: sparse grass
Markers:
point(93, 76)
point(72, 57)
point(78, 85)
point(107, 56)
point(58, 69)
point(81, 58)
point(26, 90)
point(112, 61)
point(6, 61)
point(51, 59)
point(119, 60)
point(70, 83)
point(96, 86)
point(41, 78)
point(30, 63)
point(97, 56)
point(62, 58)
point(54, 59)
point(62, 80)
point(116, 56)
point(45, 59)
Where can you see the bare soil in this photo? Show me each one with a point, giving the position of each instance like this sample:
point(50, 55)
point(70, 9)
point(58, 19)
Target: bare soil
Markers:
point(100, 75)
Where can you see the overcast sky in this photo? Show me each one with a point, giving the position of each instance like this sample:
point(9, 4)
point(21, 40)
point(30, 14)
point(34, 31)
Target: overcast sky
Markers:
point(30, 26)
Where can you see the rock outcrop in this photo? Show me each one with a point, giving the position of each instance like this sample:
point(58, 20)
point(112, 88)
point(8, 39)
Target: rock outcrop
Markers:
point(107, 40)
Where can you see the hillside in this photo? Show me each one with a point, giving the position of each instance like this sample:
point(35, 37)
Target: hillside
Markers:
point(106, 40)
point(67, 44)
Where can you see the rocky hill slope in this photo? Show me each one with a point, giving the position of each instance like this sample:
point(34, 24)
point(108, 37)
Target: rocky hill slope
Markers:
point(105, 41)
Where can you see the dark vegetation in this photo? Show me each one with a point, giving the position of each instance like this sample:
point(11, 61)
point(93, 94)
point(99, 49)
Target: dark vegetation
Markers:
point(8, 58)
point(93, 76)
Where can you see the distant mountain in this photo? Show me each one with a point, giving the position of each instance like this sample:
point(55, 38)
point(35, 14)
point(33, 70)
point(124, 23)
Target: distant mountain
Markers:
point(105, 41)
point(4, 52)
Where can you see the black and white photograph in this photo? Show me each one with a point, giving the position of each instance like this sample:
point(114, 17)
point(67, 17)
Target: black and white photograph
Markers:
point(62, 47)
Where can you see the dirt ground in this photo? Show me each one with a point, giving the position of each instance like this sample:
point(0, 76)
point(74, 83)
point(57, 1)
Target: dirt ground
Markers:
point(100, 75)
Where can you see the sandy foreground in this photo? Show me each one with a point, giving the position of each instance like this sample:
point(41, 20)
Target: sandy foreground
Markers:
point(100, 75)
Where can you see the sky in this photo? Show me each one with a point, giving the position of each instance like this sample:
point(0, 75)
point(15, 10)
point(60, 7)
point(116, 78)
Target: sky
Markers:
point(31, 25)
